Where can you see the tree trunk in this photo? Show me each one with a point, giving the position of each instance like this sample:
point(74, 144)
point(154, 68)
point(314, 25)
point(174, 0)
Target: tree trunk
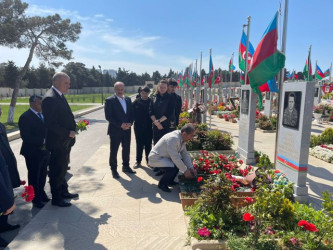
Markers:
point(18, 81)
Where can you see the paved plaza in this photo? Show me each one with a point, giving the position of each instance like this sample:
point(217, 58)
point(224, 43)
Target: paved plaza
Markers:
point(132, 213)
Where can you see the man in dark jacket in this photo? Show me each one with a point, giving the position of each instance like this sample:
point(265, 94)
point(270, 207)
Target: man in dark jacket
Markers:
point(32, 130)
point(60, 137)
point(11, 165)
point(7, 204)
point(119, 113)
point(172, 85)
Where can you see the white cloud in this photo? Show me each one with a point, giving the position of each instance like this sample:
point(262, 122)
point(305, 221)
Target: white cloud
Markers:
point(134, 45)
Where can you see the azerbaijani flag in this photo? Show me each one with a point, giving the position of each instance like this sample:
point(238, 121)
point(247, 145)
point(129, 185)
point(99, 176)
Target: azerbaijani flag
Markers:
point(327, 72)
point(242, 52)
point(203, 80)
point(211, 72)
point(180, 79)
point(319, 74)
point(217, 80)
point(289, 75)
point(267, 60)
point(269, 86)
point(231, 66)
point(307, 71)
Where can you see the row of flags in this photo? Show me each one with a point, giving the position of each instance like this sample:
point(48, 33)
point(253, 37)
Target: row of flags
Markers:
point(264, 63)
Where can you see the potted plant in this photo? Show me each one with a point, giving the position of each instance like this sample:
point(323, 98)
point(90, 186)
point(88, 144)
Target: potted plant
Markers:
point(317, 112)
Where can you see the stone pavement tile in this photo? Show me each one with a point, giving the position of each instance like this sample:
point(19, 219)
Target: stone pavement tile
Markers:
point(51, 243)
point(117, 243)
point(154, 242)
point(178, 228)
point(154, 228)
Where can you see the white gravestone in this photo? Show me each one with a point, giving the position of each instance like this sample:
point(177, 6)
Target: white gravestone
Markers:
point(294, 135)
point(268, 104)
point(247, 121)
point(317, 95)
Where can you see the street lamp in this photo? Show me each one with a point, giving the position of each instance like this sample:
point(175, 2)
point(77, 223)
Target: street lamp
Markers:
point(99, 66)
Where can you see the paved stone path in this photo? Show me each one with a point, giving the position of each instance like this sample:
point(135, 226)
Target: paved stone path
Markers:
point(131, 213)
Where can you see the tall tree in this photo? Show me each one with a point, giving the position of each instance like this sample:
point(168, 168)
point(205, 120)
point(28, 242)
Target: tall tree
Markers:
point(156, 76)
point(11, 73)
point(45, 37)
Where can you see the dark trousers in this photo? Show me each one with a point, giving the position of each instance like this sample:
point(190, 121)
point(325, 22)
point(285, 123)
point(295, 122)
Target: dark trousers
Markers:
point(169, 175)
point(37, 172)
point(58, 168)
point(3, 220)
point(125, 139)
point(143, 139)
point(158, 134)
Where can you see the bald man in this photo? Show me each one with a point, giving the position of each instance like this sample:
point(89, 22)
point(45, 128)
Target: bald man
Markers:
point(119, 113)
point(60, 137)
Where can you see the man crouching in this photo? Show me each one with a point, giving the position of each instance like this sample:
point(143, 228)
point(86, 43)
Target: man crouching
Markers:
point(170, 153)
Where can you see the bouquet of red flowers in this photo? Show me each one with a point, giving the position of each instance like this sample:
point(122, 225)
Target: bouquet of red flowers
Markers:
point(81, 126)
point(28, 194)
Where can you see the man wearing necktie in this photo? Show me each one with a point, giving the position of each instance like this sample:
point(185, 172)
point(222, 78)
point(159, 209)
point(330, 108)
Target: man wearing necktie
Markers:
point(119, 114)
point(60, 137)
point(32, 130)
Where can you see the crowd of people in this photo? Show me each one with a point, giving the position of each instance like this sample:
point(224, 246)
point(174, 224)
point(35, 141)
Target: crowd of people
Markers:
point(47, 130)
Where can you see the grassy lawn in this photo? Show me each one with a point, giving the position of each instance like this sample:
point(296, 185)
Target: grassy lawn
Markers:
point(20, 109)
point(86, 98)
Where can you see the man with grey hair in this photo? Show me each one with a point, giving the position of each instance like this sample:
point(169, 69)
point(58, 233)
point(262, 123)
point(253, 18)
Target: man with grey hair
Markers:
point(170, 153)
point(60, 137)
point(119, 113)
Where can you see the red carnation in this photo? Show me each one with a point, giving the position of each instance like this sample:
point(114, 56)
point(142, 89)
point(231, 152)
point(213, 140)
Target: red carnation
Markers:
point(307, 226)
point(277, 171)
point(249, 200)
point(200, 179)
point(248, 217)
point(28, 194)
point(203, 232)
point(240, 162)
point(23, 182)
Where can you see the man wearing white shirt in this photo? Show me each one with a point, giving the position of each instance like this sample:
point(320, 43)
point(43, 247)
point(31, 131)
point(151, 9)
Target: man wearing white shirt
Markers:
point(119, 113)
point(170, 153)
point(32, 129)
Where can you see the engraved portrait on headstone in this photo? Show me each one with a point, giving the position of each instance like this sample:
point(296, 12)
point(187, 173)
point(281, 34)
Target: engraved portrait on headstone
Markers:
point(316, 92)
point(292, 105)
point(268, 95)
point(245, 102)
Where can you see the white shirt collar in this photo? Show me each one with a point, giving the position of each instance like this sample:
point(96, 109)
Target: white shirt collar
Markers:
point(57, 90)
point(36, 112)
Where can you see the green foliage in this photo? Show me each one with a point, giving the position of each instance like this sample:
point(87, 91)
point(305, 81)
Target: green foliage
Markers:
point(210, 140)
point(328, 203)
point(265, 125)
point(184, 115)
point(326, 137)
point(273, 121)
point(264, 162)
point(202, 127)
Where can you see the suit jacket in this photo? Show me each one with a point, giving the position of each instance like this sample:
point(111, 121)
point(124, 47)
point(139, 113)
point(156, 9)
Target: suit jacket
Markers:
point(9, 157)
point(32, 130)
point(58, 119)
point(6, 190)
point(115, 115)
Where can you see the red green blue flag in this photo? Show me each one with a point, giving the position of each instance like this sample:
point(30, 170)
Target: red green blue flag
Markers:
point(231, 66)
point(327, 72)
point(242, 52)
point(269, 86)
point(307, 71)
point(267, 59)
point(319, 74)
point(217, 80)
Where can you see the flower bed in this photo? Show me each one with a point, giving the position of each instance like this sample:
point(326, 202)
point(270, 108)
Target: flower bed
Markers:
point(264, 219)
point(323, 152)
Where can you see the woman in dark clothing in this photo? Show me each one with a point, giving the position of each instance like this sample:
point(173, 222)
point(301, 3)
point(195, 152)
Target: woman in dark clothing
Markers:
point(142, 125)
point(161, 111)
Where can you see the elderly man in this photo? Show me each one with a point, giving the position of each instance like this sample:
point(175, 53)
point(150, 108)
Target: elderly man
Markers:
point(32, 130)
point(170, 153)
point(60, 137)
point(119, 114)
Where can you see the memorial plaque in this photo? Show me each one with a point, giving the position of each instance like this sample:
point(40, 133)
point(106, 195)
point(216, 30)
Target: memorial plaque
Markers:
point(245, 102)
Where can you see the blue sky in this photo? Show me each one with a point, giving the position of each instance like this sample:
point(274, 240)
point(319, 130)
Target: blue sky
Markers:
point(148, 35)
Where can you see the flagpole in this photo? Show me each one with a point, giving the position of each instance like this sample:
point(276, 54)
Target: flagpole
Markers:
point(247, 48)
point(330, 73)
point(232, 66)
point(309, 63)
point(205, 99)
point(316, 71)
point(283, 50)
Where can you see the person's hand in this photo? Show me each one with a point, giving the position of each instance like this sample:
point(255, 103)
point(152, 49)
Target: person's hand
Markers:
point(124, 126)
point(188, 174)
point(72, 134)
point(194, 172)
point(159, 126)
point(11, 209)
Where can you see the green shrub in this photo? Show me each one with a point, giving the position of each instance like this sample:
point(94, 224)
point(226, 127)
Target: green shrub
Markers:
point(325, 138)
point(265, 125)
point(273, 121)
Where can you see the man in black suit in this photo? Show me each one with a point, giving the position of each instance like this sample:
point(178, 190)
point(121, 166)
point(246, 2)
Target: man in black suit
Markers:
point(172, 85)
point(60, 137)
point(119, 114)
point(7, 204)
point(32, 130)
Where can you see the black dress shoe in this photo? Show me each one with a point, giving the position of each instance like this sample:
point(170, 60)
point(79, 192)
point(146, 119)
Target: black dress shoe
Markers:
point(61, 203)
point(3, 243)
point(38, 204)
point(173, 183)
point(46, 199)
point(115, 175)
point(156, 169)
point(164, 188)
point(129, 170)
point(7, 227)
point(70, 196)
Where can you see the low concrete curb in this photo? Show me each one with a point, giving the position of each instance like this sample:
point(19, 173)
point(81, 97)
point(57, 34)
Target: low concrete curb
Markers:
point(16, 135)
